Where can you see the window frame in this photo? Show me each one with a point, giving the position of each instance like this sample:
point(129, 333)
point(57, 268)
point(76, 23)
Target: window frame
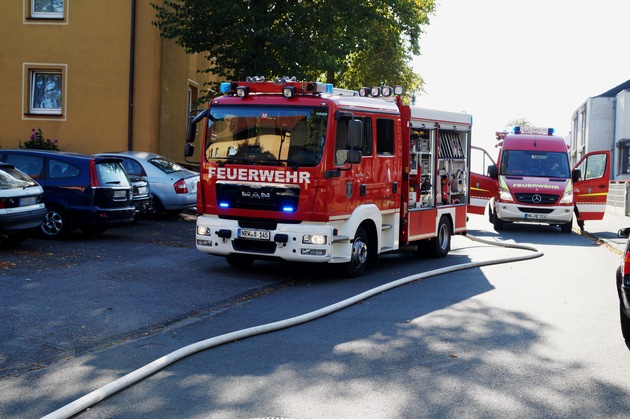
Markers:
point(37, 15)
point(31, 70)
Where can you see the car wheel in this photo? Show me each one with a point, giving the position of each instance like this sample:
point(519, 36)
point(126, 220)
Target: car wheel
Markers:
point(56, 224)
point(440, 245)
point(240, 261)
point(360, 252)
point(93, 230)
point(625, 323)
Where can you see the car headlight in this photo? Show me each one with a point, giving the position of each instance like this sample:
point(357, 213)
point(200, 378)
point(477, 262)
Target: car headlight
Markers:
point(314, 239)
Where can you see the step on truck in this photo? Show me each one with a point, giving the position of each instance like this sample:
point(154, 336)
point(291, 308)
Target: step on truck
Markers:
point(532, 181)
point(304, 172)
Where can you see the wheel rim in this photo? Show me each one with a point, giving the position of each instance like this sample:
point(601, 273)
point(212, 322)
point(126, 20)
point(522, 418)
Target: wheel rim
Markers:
point(443, 237)
point(53, 224)
point(359, 252)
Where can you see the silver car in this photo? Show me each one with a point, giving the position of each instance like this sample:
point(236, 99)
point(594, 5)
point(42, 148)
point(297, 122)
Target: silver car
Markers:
point(174, 188)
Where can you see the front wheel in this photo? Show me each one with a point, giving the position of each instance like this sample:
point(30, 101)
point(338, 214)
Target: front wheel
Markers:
point(359, 257)
point(567, 228)
point(440, 245)
point(497, 223)
point(56, 224)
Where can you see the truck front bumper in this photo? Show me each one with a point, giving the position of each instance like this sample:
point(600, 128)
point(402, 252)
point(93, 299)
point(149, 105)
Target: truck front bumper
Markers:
point(303, 242)
point(533, 214)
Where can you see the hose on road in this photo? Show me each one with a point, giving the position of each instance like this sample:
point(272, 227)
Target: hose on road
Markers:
point(133, 377)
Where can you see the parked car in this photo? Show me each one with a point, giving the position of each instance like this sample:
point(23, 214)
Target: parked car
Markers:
point(80, 191)
point(141, 196)
point(21, 204)
point(174, 188)
point(623, 286)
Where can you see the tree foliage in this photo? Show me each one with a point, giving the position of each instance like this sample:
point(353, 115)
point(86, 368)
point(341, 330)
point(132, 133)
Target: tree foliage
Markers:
point(351, 43)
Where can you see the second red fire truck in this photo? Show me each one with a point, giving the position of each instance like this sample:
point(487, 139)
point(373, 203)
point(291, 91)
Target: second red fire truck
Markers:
point(532, 181)
point(300, 171)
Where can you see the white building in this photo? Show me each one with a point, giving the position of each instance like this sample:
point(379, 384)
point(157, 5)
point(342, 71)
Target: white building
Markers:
point(603, 123)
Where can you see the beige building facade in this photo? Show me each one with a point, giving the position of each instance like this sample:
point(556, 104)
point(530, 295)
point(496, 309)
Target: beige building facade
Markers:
point(95, 75)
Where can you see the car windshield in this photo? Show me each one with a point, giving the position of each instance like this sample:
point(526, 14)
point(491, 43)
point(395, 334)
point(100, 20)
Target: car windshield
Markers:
point(112, 173)
point(275, 136)
point(11, 178)
point(535, 163)
point(165, 165)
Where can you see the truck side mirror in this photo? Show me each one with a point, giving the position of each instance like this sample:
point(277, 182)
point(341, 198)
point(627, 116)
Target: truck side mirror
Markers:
point(191, 133)
point(493, 171)
point(576, 175)
point(189, 149)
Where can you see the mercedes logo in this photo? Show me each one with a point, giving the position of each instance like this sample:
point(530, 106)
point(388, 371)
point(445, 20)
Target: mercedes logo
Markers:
point(536, 199)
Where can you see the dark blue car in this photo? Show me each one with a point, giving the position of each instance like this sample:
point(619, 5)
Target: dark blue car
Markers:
point(80, 191)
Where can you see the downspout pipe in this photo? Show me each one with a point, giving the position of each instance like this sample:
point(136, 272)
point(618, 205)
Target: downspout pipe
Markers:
point(132, 64)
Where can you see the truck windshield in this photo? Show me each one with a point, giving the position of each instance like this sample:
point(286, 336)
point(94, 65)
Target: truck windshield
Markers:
point(274, 136)
point(535, 163)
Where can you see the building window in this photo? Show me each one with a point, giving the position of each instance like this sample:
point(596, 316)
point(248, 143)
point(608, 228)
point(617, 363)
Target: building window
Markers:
point(47, 9)
point(44, 89)
point(45, 92)
point(624, 160)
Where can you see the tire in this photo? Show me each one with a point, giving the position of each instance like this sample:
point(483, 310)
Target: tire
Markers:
point(56, 225)
point(240, 261)
point(440, 245)
point(567, 228)
point(360, 254)
point(625, 323)
point(497, 223)
point(93, 230)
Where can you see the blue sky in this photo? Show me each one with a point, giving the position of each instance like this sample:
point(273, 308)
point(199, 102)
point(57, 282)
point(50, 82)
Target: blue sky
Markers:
point(535, 59)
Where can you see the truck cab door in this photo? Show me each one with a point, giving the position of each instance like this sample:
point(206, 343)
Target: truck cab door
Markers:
point(590, 190)
point(483, 185)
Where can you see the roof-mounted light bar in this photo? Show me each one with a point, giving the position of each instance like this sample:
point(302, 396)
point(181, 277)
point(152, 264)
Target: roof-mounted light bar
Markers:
point(384, 91)
point(287, 86)
point(533, 130)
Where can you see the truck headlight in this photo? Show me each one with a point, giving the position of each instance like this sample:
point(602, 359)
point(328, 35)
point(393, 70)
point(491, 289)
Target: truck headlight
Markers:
point(567, 198)
point(314, 239)
point(203, 231)
point(505, 195)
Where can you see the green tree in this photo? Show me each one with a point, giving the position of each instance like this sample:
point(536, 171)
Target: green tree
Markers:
point(351, 43)
point(518, 122)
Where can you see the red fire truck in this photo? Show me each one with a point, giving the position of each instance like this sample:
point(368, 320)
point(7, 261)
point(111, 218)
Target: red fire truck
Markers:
point(300, 171)
point(533, 182)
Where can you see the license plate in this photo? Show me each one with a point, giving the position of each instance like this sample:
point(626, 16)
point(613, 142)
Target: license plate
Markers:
point(536, 216)
point(253, 234)
point(29, 200)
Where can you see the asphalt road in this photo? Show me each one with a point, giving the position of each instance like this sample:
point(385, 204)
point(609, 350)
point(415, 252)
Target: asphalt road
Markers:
point(529, 339)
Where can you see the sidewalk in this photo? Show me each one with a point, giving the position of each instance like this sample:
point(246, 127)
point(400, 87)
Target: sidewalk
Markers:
point(606, 229)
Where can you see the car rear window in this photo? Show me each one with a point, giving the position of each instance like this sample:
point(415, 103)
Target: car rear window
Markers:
point(13, 179)
point(112, 173)
point(165, 165)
